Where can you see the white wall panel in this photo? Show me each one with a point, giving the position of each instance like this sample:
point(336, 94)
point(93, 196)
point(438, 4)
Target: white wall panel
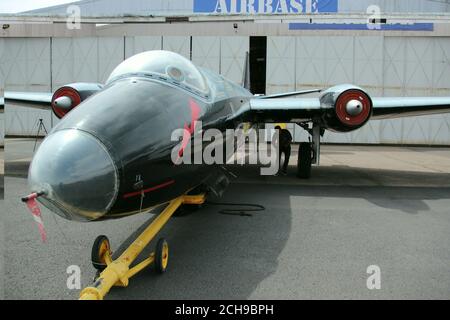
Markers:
point(26, 64)
point(111, 52)
point(339, 60)
point(394, 70)
point(310, 62)
point(368, 63)
point(74, 60)
point(232, 58)
point(206, 52)
point(181, 45)
point(85, 59)
point(26, 67)
point(138, 44)
point(390, 66)
point(280, 74)
point(394, 66)
point(441, 66)
point(22, 121)
point(63, 68)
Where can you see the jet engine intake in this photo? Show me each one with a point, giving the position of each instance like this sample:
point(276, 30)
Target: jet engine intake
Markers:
point(351, 108)
point(69, 96)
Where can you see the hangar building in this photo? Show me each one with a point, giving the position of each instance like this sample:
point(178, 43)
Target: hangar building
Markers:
point(388, 47)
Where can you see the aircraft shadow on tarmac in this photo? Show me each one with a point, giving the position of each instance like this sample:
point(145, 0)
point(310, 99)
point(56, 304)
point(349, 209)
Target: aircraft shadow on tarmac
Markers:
point(406, 190)
point(217, 256)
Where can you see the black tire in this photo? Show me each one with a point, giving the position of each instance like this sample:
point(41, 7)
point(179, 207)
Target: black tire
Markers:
point(304, 160)
point(161, 255)
point(97, 253)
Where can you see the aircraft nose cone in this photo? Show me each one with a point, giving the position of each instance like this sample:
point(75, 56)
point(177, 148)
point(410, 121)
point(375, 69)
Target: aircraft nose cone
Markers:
point(77, 174)
point(354, 107)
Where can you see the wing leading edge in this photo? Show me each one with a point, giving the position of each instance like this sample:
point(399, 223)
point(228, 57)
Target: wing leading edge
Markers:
point(301, 109)
point(284, 109)
point(390, 108)
point(40, 100)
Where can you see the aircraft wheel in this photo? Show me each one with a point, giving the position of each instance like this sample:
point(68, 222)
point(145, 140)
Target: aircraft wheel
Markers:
point(99, 249)
point(304, 160)
point(161, 255)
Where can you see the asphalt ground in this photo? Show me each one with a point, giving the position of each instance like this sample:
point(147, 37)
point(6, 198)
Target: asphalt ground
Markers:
point(383, 206)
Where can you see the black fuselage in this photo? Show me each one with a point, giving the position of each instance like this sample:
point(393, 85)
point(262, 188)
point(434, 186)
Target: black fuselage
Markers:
point(134, 118)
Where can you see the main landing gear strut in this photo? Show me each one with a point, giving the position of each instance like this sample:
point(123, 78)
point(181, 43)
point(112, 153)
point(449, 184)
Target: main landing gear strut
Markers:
point(309, 152)
point(118, 272)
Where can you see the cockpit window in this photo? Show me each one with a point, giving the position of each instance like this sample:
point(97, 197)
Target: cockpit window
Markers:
point(166, 64)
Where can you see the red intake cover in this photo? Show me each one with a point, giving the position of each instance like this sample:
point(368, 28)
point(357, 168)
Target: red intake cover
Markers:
point(341, 108)
point(67, 92)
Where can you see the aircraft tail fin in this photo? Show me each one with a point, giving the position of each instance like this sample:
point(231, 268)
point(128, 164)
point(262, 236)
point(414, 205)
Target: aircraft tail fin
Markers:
point(246, 73)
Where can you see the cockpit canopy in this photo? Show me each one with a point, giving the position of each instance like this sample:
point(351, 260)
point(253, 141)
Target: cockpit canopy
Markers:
point(164, 65)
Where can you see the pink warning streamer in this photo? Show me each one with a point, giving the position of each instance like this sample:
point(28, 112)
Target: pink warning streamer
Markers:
point(36, 212)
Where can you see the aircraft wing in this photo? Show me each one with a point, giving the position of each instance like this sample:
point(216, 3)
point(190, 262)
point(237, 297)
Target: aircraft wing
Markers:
point(38, 100)
point(390, 108)
point(301, 109)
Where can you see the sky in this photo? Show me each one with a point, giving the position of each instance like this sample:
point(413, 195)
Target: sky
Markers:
point(14, 6)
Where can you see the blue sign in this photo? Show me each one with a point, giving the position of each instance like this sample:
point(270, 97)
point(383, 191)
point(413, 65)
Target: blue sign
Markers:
point(362, 26)
point(264, 6)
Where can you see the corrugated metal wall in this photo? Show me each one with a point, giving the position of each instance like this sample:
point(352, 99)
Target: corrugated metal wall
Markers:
point(390, 66)
point(116, 7)
point(174, 7)
point(26, 67)
point(384, 66)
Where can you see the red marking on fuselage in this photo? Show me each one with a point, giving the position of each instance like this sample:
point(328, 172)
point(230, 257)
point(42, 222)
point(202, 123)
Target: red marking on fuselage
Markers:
point(159, 186)
point(189, 129)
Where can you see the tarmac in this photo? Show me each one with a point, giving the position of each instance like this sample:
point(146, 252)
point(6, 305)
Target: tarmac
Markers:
point(364, 206)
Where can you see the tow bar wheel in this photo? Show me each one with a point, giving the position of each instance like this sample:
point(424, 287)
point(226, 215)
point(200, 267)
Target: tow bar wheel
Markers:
point(161, 255)
point(100, 249)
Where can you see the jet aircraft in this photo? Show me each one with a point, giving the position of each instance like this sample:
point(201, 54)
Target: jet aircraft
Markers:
point(111, 155)
point(113, 143)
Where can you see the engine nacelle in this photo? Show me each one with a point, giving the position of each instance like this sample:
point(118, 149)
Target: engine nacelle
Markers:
point(350, 108)
point(69, 96)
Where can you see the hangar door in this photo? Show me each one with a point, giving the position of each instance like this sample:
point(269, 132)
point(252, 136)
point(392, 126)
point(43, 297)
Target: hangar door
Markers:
point(258, 55)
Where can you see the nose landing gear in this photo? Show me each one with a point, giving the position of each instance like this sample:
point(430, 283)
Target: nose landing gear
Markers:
point(118, 272)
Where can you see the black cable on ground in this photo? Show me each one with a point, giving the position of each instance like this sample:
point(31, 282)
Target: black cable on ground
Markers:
point(243, 212)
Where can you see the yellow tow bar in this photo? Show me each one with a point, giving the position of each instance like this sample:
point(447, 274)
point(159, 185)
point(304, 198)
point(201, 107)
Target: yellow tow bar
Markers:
point(118, 272)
